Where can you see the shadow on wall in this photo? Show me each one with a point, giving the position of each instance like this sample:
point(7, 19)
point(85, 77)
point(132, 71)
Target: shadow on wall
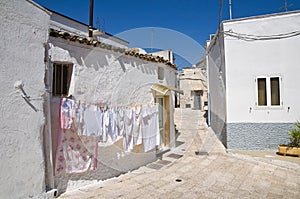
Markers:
point(219, 127)
point(100, 59)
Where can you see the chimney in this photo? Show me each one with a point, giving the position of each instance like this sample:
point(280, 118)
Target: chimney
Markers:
point(91, 18)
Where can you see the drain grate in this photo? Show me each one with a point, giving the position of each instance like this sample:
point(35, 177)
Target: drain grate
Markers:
point(155, 166)
point(174, 155)
point(201, 153)
point(164, 162)
point(178, 180)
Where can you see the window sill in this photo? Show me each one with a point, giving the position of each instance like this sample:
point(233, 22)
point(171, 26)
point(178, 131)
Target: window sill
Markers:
point(268, 108)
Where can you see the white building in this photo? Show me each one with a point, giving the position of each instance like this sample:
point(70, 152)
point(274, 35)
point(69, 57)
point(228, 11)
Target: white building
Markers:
point(194, 85)
point(108, 75)
point(253, 67)
point(24, 32)
point(44, 56)
point(63, 23)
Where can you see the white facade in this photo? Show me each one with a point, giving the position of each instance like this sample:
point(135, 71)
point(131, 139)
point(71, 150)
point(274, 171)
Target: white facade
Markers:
point(194, 85)
point(242, 51)
point(24, 31)
point(103, 73)
point(109, 75)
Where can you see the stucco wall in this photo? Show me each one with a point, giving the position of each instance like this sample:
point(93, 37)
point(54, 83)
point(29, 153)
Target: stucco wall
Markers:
point(24, 30)
point(250, 126)
point(217, 87)
point(191, 79)
point(102, 76)
point(247, 125)
point(246, 60)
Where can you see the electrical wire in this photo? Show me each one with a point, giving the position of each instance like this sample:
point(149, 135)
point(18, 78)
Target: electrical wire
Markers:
point(249, 37)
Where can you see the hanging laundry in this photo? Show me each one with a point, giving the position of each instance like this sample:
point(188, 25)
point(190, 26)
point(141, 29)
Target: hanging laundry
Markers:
point(149, 127)
point(92, 121)
point(78, 120)
point(75, 154)
point(120, 121)
point(66, 117)
point(106, 126)
point(112, 126)
point(115, 122)
point(136, 130)
point(127, 138)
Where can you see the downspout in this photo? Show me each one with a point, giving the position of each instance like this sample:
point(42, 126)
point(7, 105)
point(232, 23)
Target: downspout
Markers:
point(52, 192)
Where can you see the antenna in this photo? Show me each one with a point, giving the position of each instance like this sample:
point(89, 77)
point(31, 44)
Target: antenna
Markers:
point(230, 10)
point(98, 23)
point(286, 6)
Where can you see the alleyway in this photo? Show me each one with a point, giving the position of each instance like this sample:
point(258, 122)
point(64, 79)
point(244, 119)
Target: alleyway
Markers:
point(199, 167)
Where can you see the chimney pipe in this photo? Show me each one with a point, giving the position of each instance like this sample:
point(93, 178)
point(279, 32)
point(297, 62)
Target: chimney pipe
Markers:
point(91, 18)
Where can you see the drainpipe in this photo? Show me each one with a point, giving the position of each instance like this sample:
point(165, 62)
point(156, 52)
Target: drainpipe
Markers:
point(52, 192)
point(91, 18)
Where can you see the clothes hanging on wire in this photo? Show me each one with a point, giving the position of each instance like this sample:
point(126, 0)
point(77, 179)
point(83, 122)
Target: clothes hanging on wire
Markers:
point(112, 125)
point(92, 121)
point(127, 138)
point(66, 118)
point(75, 154)
point(149, 127)
point(120, 121)
point(136, 124)
point(136, 129)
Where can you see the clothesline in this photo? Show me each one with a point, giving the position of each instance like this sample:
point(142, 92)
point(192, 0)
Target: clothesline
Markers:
point(136, 124)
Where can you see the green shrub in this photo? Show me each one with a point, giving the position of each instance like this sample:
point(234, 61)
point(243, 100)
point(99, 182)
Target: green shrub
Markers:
point(295, 136)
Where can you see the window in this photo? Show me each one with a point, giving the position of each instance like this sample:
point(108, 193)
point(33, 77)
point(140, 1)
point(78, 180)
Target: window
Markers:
point(262, 91)
point(61, 78)
point(268, 91)
point(160, 73)
point(275, 91)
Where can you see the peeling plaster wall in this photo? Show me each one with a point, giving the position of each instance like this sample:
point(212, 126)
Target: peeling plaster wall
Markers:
point(24, 30)
point(102, 76)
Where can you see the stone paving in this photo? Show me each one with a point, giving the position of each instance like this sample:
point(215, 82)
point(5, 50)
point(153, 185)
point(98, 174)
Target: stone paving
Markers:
point(200, 167)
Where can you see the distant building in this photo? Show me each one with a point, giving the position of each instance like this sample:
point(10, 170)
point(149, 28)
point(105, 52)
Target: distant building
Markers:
point(166, 54)
point(253, 70)
point(194, 85)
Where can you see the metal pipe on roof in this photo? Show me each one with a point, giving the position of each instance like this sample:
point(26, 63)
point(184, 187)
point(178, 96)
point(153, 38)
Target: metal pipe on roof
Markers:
point(91, 18)
point(230, 10)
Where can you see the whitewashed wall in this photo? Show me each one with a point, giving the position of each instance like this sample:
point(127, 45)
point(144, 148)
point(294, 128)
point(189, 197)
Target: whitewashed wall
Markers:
point(103, 76)
point(24, 30)
point(248, 126)
point(217, 87)
point(247, 60)
point(192, 79)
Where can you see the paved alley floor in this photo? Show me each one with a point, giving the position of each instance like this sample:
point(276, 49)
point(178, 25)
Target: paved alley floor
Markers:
point(200, 167)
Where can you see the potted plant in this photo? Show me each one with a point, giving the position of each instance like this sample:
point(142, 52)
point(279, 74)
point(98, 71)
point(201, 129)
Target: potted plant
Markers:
point(292, 148)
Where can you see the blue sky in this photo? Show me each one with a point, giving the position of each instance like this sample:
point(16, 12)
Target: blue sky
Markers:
point(195, 18)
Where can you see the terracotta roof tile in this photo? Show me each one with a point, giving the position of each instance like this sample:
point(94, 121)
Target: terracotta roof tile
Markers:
point(95, 43)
